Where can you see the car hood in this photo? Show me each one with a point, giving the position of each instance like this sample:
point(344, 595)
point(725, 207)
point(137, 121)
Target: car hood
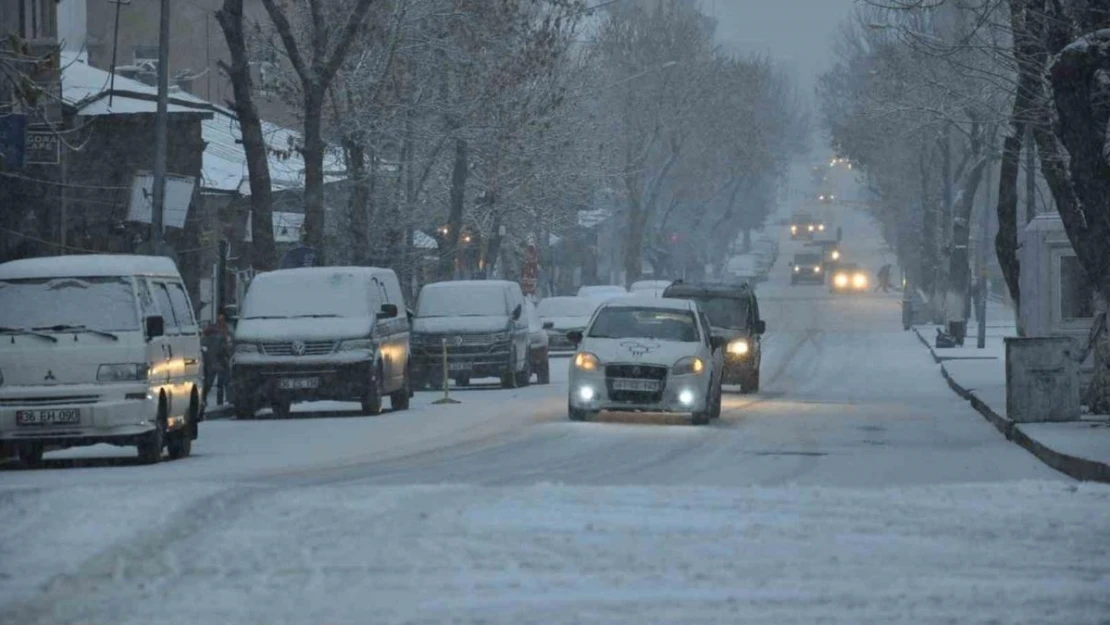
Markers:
point(460, 325)
point(634, 350)
point(567, 323)
point(305, 329)
point(32, 361)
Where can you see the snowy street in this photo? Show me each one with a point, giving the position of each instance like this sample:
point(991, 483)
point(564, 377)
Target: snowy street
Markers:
point(855, 488)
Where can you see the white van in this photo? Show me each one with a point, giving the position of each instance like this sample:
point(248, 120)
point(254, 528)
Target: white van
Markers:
point(98, 349)
point(339, 333)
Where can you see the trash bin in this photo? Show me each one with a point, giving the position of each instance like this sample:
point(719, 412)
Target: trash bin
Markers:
point(1042, 379)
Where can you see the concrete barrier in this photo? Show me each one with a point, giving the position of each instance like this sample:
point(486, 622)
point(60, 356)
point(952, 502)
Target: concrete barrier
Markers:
point(1042, 379)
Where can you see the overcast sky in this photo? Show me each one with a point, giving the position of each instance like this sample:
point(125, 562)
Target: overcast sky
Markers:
point(798, 33)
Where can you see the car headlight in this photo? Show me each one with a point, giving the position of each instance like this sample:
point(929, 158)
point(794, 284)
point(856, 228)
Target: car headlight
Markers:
point(835, 253)
point(246, 348)
point(821, 227)
point(585, 361)
point(817, 269)
point(841, 280)
point(859, 281)
point(811, 228)
point(739, 347)
point(356, 345)
point(691, 365)
point(794, 229)
point(797, 268)
point(122, 372)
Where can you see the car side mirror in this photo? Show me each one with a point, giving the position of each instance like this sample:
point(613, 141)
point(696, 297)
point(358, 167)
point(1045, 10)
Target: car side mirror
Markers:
point(388, 311)
point(548, 325)
point(155, 326)
point(717, 342)
point(517, 312)
point(760, 327)
point(575, 336)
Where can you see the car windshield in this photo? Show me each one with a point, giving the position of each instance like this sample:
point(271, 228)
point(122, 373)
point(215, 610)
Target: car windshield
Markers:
point(807, 259)
point(801, 218)
point(463, 300)
point(663, 324)
point(725, 312)
point(293, 294)
point(566, 307)
point(96, 303)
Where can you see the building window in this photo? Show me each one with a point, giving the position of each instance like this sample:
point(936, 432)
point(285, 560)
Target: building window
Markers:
point(1076, 291)
point(38, 19)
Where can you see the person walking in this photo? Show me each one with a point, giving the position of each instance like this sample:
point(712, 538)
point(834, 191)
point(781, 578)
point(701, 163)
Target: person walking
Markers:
point(217, 357)
point(884, 279)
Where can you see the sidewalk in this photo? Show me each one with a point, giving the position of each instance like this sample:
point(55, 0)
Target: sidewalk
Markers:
point(1079, 449)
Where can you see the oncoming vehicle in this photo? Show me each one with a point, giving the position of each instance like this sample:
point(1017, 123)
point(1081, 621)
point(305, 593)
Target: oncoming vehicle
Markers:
point(733, 313)
point(808, 268)
point(849, 278)
point(481, 326)
point(98, 349)
point(805, 226)
point(602, 291)
point(643, 354)
point(315, 333)
point(830, 253)
point(565, 314)
point(649, 287)
point(538, 343)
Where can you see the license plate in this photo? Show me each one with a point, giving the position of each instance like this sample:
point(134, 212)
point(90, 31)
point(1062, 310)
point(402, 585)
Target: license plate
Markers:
point(48, 417)
point(649, 386)
point(459, 366)
point(296, 384)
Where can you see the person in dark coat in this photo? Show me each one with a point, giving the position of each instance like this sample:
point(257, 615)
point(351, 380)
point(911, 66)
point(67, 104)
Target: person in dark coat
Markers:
point(217, 357)
point(884, 279)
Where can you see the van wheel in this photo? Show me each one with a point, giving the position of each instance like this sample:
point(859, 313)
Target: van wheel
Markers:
point(180, 443)
point(577, 414)
point(750, 383)
point(509, 377)
point(400, 399)
point(701, 418)
point(245, 409)
point(150, 447)
point(31, 454)
point(372, 396)
point(282, 407)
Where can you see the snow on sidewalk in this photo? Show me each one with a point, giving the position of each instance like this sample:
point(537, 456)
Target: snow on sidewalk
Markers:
point(1031, 552)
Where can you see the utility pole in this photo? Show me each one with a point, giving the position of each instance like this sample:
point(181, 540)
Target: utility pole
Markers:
point(984, 254)
point(161, 124)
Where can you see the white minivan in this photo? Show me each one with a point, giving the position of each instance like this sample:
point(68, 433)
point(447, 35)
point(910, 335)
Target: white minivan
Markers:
point(98, 349)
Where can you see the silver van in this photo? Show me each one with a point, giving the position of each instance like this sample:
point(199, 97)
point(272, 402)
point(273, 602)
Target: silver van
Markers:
point(317, 333)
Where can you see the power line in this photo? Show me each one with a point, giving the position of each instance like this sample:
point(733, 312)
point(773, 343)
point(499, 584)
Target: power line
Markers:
point(71, 185)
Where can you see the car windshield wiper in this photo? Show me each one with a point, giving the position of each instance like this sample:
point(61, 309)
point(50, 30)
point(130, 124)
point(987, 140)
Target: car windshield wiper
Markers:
point(312, 316)
point(27, 332)
point(266, 317)
point(62, 327)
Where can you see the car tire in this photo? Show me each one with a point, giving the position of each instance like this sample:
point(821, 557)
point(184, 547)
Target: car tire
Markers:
point(282, 407)
point(578, 414)
point(700, 418)
point(400, 399)
point(508, 376)
point(245, 410)
point(750, 384)
point(179, 444)
point(30, 454)
point(462, 380)
point(717, 401)
point(372, 396)
point(151, 444)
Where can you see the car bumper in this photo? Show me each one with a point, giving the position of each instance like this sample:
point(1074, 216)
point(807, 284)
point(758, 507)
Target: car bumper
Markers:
point(315, 381)
point(737, 367)
point(118, 414)
point(601, 396)
point(808, 278)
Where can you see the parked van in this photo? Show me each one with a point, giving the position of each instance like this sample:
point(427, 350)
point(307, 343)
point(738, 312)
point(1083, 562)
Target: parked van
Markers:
point(98, 349)
point(482, 326)
point(314, 333)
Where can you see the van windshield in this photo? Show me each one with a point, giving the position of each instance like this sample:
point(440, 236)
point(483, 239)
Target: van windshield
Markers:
point(96, 303)
point(567, 307)
point(278, 295)
point(725, 312)
point(463, 300)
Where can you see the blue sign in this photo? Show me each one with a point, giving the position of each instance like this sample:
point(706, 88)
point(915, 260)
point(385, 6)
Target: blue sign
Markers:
point(13, 134)
point(299, 257)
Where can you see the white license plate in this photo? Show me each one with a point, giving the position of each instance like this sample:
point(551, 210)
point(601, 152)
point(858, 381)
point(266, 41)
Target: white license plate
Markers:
point(649, 386)
point(65, 416)
point(297, 384)
point(459, 366)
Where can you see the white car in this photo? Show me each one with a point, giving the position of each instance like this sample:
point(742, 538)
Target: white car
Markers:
point(646, 354)
point(649, 287)
point(602, 291)
point(565, 314)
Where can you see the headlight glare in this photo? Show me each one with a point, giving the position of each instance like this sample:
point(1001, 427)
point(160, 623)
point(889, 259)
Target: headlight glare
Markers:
point(817, 269)
point(836, 254)
point(739, 347)
point(811, 228)
point(859, 281)
point(585, 361)
point(821, 227)
point(356, 345)
point(841, 280)
point(691, 365)
point(797, 269)
point(122, 372)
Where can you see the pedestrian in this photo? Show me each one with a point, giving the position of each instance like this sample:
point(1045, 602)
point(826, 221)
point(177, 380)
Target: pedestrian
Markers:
point(217, 357)
point(884, 279)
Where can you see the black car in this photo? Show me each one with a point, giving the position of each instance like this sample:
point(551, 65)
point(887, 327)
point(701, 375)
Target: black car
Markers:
point(807, 268)
point(733, 314)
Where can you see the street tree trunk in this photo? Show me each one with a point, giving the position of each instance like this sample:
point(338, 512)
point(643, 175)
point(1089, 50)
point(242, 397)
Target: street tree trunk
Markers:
point(359, 204)
point(959, 268)
point(263, 255)
point(313, 151)
point(449, 257)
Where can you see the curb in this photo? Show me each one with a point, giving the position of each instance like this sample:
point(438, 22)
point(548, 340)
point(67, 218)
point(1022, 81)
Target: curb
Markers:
point(1073, 466)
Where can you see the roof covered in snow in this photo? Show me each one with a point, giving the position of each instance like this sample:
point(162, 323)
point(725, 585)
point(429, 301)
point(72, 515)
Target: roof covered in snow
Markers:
point(87, 89)
point(87, 265)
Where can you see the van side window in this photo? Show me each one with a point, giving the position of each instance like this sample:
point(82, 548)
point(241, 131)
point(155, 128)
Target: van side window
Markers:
point(146, 300)
point(181, 309)
point(165, 305)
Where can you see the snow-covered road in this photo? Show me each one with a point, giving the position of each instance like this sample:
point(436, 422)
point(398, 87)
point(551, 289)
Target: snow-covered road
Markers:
point(856, 488)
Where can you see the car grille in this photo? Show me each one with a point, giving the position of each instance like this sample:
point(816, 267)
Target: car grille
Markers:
point(49, 401)
point(455, 340)
point(311, 348)
point(635, 372)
